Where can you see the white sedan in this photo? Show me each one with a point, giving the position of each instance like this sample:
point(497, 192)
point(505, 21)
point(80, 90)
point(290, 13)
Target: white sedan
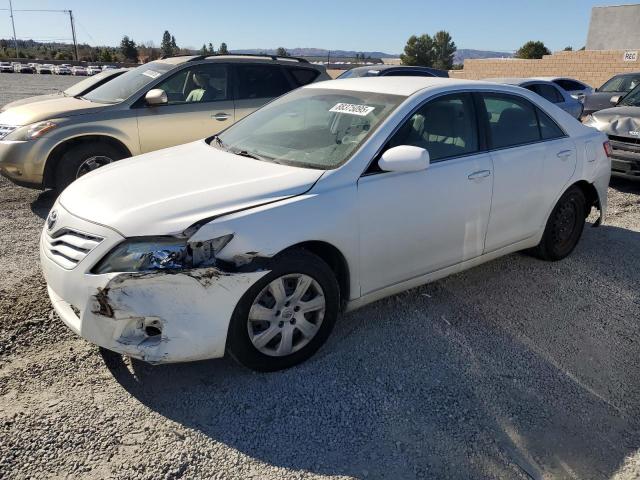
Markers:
point(328, 198)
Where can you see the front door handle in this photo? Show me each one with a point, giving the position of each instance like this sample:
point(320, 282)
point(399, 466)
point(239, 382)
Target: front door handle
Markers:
point(479, 174)
point(564, 154)
point(221, 117)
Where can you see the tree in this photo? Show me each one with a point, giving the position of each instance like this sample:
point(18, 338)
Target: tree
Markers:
point(203, 50)
point(165, 46)
point(105, 56)
point(568, 49)
point(443, 50)
point(282, 52)
point(418, 51)
point(532, 50)
point(223, 49)
point(174, 45)
point(129, 49)
point(211, 50)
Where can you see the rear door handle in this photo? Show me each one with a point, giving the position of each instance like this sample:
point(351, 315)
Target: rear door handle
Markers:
point(221, 117)
point(564, 154)
point(479, 174)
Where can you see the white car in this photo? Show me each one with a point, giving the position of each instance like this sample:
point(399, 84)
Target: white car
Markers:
point(6, 67)
point(330, 197)
point(577, 89)
point(93, 69)
point(78, 70)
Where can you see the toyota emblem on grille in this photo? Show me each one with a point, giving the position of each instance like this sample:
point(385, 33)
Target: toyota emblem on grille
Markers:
point(635, 133)
point(52, 219)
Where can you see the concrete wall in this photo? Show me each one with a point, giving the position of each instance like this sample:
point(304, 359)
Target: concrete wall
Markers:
point(592, 67)
point(614, 28)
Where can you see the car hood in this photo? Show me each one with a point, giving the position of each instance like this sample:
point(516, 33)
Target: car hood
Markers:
point(57, 107)
point(599, 100)
point(24, 101)
point(167, 191)
point(619, 121)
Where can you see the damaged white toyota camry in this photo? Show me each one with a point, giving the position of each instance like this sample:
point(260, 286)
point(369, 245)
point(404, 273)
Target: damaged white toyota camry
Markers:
point(330, 197)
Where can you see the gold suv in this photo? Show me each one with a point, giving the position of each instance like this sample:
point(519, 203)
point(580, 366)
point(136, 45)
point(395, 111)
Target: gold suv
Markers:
point(50, 143)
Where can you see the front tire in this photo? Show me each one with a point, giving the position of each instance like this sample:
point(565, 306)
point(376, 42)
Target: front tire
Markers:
point(82, 159)
point(564, 226)
point(287, 315)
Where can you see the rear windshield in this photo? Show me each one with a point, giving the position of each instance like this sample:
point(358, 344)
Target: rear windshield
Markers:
point(121, 88)
point(360, 72)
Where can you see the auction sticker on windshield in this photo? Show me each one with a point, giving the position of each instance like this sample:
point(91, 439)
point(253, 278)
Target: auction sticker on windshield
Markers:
point(151, 73)
point(352, 109)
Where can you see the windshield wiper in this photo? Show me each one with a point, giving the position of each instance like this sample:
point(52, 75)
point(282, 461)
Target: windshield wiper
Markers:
point(255, 156)
point(219, 142)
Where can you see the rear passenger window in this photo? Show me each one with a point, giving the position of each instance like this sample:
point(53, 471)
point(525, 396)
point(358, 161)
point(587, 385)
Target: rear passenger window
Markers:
point(548, 92)
point(445, 127)
point(512, 120)
point(261, 81)
point(548, 128)
point(303, 76)
point(569, 85)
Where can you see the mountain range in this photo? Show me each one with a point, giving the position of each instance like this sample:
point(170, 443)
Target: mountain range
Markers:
point(461, 54)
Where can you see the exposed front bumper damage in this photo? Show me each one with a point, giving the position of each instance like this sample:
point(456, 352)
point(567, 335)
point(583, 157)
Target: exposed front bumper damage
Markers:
point(158, 317)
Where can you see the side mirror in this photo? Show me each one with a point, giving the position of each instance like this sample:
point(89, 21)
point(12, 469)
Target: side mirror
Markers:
point(404, 158)
point(156, 96)
point(615, 99)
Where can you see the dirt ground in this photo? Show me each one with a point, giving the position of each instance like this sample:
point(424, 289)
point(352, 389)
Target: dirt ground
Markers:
point(515, 369)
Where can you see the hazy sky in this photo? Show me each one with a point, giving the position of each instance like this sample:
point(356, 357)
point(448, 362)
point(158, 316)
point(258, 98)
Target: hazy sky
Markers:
point(370, 25)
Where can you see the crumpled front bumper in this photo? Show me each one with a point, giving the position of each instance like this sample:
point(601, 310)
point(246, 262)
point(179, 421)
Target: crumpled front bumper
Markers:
point(159, 317)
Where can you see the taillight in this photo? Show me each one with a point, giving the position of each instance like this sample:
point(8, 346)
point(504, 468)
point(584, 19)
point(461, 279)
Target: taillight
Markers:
point(607, 148)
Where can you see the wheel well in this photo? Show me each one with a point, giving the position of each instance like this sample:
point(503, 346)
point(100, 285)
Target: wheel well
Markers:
point(61, 149)
point(336, 261)
point(590, 193)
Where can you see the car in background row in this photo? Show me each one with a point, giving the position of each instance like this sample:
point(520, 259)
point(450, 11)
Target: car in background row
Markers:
point(63, 69)
point(6, 67)
point(548, 90)
point(78, 70)
point(615, 86)
point(77, 90)
point(44, 68)
point(22, 68)
point(622, 125)
point(157, 105)
point(393, 71)
point(573, 87)
point(93, 69)
point(329, 198)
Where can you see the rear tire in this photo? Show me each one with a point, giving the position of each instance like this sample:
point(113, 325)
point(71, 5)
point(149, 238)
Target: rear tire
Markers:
point(564, 226)
point(306, 319)
point(81, 159)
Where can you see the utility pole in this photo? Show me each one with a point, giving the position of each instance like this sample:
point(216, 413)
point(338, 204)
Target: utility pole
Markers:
point(15, 40)
point(73, 33)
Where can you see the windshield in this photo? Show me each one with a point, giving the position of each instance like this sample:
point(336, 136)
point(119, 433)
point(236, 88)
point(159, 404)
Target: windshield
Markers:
point(360, 72)
point(86, 84)
point(309, 127)
point(631, 99)
point(121, 88)
point(622, 83)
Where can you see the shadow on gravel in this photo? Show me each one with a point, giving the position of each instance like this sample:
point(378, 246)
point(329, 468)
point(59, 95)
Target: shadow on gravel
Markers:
point(514, 369)
point(625, 185)
point(41, 205)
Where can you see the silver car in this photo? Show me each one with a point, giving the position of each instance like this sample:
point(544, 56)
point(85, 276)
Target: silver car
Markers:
point(548, 90)
point(622, 124)
point(157, 105)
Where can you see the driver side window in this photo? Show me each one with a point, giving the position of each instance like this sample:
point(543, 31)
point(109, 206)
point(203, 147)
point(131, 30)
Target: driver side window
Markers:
point(198, 84)
point(446, 127)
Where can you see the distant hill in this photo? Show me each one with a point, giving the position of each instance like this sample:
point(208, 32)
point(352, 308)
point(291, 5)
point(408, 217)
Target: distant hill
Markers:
point(461, 55)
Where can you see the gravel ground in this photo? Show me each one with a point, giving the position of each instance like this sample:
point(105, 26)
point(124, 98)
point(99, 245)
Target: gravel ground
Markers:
point(515, 369)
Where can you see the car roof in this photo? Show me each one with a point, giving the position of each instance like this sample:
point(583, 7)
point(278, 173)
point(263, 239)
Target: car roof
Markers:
point(551, 79)
point(516, 80)
point(405, 86)
point(240, 58)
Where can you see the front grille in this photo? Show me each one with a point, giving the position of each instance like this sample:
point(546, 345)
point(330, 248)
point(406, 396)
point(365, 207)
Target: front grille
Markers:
point(68, 247)
point(6, 130)
point(629, 140)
